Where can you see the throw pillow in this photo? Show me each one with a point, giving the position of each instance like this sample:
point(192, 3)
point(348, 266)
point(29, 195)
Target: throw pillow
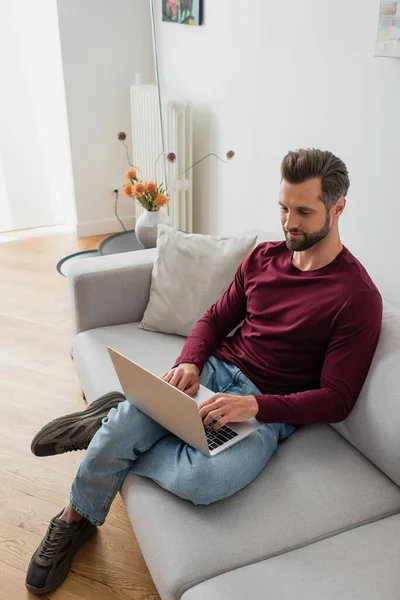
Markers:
point(190, 274)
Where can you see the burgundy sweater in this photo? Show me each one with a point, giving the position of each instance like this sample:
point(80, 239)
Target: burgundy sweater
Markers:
point(307, 338)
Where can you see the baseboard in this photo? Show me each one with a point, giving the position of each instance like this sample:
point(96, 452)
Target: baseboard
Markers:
point(107, 226)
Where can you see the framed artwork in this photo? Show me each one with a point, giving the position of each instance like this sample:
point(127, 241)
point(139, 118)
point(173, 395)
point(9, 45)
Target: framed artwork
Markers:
point(388, 37)
point(187, 12)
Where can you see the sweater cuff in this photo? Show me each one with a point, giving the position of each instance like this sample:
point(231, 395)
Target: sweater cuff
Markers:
point(190, 360)
point(267, 412)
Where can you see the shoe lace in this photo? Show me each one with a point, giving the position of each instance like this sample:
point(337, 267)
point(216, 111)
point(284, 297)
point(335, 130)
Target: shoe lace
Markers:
point(82, 444)
point(52, 541)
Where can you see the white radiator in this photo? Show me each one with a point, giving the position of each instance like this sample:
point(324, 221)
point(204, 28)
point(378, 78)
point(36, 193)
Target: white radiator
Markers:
point(147, 147)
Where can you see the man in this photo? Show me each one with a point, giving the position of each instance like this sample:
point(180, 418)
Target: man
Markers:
point(311, 321)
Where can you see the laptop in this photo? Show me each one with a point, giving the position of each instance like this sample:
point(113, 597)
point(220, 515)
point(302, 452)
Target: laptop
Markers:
point(175, 410)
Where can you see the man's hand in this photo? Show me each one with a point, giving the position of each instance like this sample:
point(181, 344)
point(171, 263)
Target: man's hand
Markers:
point(228, 408)
point(185, 377)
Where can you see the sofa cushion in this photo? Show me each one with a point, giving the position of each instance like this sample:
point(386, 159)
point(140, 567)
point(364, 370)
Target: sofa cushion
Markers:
point(373, 425)
point(191, 272)
point(316, 485)
point(362, 564)
point(156, 352)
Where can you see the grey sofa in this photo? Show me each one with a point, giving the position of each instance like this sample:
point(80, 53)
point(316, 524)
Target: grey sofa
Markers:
point(321, 522)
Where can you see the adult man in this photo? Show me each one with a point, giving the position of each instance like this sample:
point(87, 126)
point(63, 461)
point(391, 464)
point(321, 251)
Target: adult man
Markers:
point(311, 321)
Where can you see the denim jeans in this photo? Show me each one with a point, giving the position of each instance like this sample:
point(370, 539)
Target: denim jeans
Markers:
point(129, 441)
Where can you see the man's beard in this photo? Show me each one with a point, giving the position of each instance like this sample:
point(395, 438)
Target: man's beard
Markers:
point(308, 240)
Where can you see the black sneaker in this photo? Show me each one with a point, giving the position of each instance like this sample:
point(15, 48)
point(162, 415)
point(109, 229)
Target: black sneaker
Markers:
point(74, 431)
point(52, 560)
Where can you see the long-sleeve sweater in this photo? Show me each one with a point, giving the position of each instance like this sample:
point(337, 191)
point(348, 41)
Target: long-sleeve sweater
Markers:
point(306, 339)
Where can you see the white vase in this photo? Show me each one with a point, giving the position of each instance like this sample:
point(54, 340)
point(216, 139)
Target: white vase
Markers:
point(147, 227)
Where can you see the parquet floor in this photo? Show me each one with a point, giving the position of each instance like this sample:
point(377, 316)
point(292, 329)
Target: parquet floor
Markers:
point(38, 383)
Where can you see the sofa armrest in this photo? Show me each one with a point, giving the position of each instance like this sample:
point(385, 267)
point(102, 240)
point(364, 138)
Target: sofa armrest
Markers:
point(110, 290)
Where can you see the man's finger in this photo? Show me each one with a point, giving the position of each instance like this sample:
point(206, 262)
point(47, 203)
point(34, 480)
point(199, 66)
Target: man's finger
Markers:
point(181, 381)
point(176, 377)
point(221, 422)
point(210, 400)
point(214, 414)
point(184, 382)
point(192, 389)
point(217, 404)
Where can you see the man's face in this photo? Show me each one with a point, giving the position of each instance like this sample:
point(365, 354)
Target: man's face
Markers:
point(305, 220)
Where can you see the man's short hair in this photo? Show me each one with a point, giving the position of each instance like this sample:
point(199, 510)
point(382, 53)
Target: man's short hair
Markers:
point(301, 165)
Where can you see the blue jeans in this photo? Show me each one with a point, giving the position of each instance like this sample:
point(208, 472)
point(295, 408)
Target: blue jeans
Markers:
point(129, 441)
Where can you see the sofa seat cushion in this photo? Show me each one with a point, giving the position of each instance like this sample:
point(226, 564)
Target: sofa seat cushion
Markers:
point(316, 485)
point(156, 352)
point(361, 564)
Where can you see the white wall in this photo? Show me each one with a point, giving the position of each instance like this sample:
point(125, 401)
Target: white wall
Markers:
point(35, 171)
point(270, 76)
point(103, 44)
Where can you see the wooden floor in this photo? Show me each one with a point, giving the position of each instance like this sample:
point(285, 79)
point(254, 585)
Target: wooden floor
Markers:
point(38, 383)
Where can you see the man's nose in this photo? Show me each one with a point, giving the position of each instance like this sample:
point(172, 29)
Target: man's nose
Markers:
point(291, 222)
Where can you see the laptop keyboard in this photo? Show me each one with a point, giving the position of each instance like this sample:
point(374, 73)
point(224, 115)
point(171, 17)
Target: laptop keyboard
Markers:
point(215, 439)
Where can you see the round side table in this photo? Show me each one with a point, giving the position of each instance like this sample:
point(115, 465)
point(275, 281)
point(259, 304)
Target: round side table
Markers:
point(126, 241)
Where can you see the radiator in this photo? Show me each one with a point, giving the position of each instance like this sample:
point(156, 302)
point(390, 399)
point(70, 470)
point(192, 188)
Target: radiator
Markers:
point(147, 147)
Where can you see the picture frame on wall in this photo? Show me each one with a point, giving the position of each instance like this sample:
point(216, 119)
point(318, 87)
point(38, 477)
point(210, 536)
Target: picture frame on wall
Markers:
point(185, 12)
point(388, 36)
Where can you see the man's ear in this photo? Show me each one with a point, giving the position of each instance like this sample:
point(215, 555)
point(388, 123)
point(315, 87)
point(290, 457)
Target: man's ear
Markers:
point(339, 207)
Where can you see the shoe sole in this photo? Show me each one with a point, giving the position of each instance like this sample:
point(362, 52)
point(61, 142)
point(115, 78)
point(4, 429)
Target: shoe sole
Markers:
point(86, 536)
point(98, 408)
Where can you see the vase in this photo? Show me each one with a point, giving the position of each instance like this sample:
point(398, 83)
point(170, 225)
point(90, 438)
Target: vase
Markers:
point(147, 226)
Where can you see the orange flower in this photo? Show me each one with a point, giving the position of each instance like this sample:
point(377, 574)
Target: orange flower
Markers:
point(130, 174)
point(161, 200)
point(151, 187)
point(127, 189)
point(138, 190)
